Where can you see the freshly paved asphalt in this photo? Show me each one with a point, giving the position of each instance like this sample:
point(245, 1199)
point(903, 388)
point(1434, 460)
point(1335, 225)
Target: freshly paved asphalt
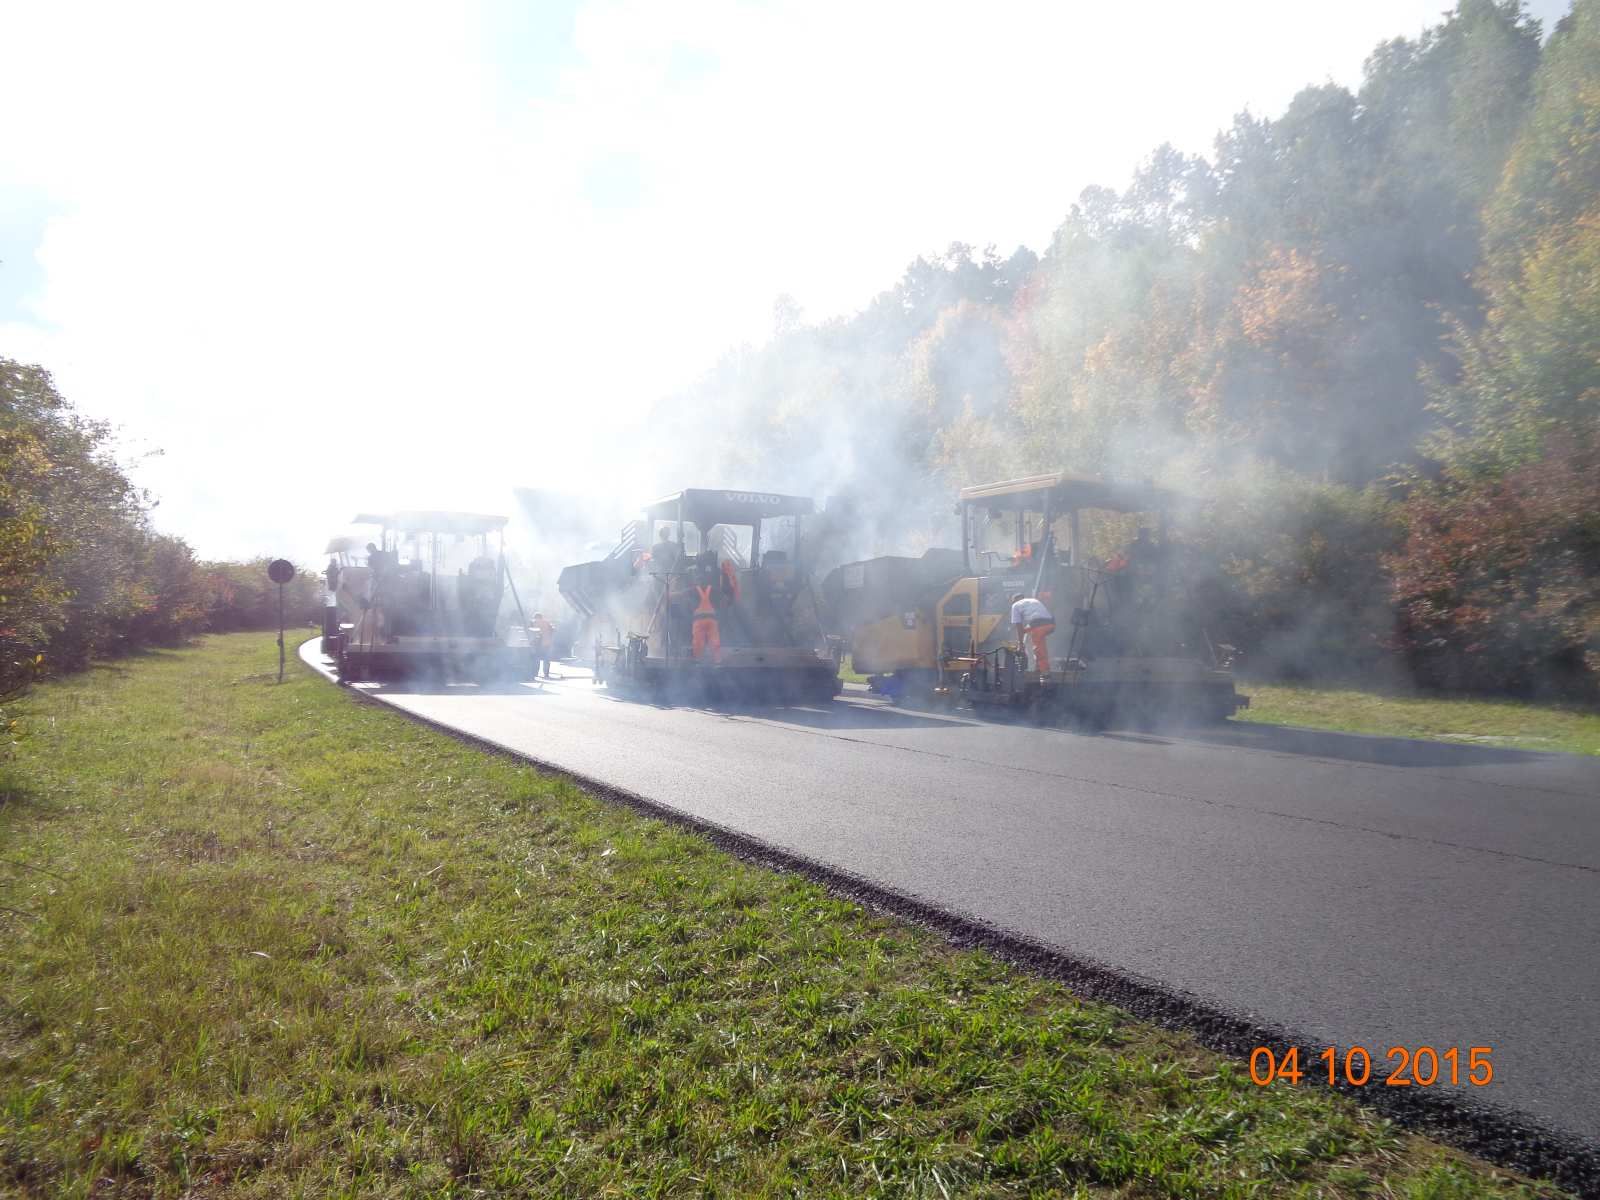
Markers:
point(1368, 891)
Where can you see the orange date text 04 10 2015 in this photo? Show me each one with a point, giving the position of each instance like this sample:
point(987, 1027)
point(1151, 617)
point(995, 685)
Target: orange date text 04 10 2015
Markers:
point(1405, 1066)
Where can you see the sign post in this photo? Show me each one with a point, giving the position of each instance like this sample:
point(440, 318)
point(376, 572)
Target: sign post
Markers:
point(280, 571)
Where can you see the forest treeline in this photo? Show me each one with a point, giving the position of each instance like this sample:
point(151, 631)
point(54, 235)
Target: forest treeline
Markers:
point(82, 574)
point(1362, 337)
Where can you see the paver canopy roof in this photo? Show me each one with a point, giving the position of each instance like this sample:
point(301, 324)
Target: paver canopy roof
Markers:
point(716, 506)
point(1068, 491)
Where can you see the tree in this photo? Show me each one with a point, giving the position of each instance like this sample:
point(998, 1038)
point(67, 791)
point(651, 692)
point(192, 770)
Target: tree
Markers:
point(1394, 282)
point(1552, 175)
point(81, 573)
point(1531, 373)
point(30, 597)
point(88, 518)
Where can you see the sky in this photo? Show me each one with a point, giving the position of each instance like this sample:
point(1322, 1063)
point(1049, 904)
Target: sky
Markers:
point(317, 258)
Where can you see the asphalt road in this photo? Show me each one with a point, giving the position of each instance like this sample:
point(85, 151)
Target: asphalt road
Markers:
point(1357, 891)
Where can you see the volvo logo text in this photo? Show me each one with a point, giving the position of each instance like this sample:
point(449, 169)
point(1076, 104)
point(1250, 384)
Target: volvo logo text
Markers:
point(750, 498)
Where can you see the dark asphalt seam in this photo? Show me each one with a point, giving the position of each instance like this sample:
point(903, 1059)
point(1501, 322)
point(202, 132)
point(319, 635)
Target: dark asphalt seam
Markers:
point(1144, 791)
point(1511, 1140)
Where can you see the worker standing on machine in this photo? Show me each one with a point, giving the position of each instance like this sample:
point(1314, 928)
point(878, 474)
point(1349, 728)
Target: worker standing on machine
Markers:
point(664, 554)
point(1132, 570)
point(706, 633)
point(1031, 619)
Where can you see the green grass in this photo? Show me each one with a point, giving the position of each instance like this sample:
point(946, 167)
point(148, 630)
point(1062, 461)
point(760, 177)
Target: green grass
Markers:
point(284, 944)
point(1464, 720)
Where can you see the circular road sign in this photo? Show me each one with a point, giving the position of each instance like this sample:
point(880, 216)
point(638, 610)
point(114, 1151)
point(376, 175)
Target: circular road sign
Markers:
point(280, 570)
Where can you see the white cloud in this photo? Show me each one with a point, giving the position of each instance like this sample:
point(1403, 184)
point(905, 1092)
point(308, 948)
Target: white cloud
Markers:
point(330, 256)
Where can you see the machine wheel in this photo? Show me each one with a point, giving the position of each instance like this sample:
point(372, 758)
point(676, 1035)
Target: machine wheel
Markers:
point(823, 690)
point(1219, 713)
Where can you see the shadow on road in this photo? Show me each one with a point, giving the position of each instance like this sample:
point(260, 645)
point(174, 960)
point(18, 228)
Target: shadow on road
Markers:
point(1353, 747)
point(839, 715)
point(860, 714)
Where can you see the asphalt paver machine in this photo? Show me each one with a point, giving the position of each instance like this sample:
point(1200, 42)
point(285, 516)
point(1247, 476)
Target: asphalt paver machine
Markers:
point(746, 547)
point(423, 597)
point(1127, 643)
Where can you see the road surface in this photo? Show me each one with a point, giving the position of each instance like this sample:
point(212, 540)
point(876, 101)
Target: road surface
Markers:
point(1356, 891)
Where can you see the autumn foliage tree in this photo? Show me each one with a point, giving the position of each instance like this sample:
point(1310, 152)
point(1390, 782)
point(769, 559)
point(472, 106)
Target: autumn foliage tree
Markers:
point(82, 574)
point(1498, 584)
point(1351, 335)
point(1362, 337)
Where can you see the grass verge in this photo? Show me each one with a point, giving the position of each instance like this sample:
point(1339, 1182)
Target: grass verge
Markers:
point(284, 944)
point(1464, 720)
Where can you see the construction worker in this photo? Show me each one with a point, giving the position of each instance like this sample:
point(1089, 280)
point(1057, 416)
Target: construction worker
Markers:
point(1133, 569)
point(1142, 549)
point(1030, 618)
point(706, 632)
point(664, 554)
point(542, 633)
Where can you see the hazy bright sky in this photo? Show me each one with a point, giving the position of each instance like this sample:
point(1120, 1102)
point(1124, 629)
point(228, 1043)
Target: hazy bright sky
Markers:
point(336, 255)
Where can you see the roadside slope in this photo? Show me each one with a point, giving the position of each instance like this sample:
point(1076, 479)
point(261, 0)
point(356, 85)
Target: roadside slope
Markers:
point(280, 941)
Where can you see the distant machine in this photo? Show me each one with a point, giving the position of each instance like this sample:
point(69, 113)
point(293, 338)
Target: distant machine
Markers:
point(706, 564)
point(422, 597)
point(1126, 642)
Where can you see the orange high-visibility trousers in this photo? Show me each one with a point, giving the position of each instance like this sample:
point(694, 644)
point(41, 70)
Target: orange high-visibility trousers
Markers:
point(706, 634)
point(1038, 635)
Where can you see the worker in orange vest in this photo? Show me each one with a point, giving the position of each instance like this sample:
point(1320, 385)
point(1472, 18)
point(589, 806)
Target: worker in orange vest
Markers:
point(705, 630)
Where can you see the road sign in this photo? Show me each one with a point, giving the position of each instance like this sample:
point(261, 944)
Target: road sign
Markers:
point(280, 571)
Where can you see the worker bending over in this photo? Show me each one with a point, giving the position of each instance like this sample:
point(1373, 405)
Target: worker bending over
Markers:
point(1030, 617)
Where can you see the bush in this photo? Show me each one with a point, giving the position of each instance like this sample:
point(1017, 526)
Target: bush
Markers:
point(1498, 583)
point(1291, 572)
point(242, 597)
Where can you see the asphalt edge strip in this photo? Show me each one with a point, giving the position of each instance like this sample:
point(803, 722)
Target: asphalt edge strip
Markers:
point(1498, 1135)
